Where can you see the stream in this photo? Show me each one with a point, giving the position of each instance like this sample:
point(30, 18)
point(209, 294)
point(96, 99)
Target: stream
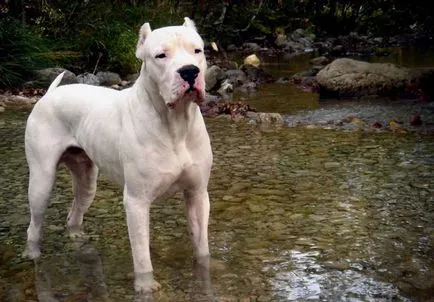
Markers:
point(297, 214)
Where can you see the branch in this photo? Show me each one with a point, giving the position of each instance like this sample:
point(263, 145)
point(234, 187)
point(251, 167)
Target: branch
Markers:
point(254, 16)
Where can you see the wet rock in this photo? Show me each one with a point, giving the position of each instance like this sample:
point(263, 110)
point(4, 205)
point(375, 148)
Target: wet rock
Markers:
point(251, 47)
point(332, 165)
point(45, 77)
point(298, 34)
point(416, 120)
point(302, 37)
point(236, 76)
point(280, 40)
point(348, 77)
point(396, 127)
point(298, 42)
point(231, 47)
point(55, 228)
point(278, 226)
point(107, 78)
point(293, 47)
point(420, 185)
point(352, 43)
point(377, 125)
point(320, 61)
point(214, 74)
point(306, 80)
point(304, 242)
point(282, 80)
point(357, 122)
point(88, 78)
point(252, 60)
point(16, 102)
point(265, 118)
point(257, 75)
point(257, 207)
point(248, 87)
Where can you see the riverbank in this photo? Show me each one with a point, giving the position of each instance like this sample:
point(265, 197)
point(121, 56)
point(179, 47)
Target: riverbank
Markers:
point(286, 92)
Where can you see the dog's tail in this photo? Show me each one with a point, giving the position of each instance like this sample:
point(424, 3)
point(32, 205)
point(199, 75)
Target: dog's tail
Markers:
point(55, 83)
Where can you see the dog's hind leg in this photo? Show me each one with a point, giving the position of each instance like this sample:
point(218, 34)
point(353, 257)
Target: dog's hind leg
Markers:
point(84, 177)
point(42, 172)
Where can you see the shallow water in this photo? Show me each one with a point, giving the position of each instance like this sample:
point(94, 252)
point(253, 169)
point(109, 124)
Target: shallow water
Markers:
point(297, 214)
point(302, 108)
point(281, 98)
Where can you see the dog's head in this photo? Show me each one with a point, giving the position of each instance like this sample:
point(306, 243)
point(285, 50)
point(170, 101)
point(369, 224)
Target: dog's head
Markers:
point(174, 61)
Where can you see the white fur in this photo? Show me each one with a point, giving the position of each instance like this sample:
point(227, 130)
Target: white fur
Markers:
point(150, 138)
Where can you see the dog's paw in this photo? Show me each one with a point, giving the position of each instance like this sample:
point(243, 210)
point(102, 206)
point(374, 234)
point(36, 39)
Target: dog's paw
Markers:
point(31, 252)
point(145, 283)
point(76, 232)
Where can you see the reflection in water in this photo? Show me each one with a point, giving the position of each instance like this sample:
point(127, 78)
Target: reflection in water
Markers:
point(296, 214)
point(91, 268)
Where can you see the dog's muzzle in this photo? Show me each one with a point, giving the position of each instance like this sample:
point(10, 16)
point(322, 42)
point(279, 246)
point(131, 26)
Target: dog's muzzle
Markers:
point(193, 91)
point(189, 74)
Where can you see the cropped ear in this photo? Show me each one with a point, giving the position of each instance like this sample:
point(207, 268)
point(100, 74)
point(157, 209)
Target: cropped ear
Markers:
point(189, 23)
point(145, 30)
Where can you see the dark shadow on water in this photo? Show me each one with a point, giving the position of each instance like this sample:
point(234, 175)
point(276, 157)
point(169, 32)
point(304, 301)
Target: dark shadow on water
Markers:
point(92, 278)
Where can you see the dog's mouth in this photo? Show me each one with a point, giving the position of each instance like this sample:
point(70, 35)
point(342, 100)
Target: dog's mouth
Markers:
point(190, 94)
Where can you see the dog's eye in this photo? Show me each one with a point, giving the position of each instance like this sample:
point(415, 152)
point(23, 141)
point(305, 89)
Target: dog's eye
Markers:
point(161, 56)
point(197, 50)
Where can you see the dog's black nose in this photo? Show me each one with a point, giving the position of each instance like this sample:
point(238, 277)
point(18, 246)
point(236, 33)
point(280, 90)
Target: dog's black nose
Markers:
point(188, 73)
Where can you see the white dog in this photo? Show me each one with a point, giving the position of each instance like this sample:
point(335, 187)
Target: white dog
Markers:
point(151, 138)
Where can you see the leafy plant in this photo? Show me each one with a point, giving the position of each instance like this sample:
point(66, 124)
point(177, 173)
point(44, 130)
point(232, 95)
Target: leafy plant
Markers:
point(21, 53)
point(121, 47)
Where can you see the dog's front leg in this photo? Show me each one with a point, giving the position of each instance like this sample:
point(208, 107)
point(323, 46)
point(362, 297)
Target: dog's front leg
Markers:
point(137, 210)
point(198, 215)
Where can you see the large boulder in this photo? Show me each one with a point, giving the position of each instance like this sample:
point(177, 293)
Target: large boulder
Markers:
point(348, 77)
point(44, 77)
point(107, 78)
point(88, 78)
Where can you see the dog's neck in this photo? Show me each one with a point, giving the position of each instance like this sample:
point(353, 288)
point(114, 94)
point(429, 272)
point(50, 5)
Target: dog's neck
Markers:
point(177, 120)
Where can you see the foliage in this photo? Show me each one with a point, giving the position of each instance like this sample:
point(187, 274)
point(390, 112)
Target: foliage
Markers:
point(21, 52)
point(88, 35)
point(247, 19)
point(92, 35)
point(120, 44)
